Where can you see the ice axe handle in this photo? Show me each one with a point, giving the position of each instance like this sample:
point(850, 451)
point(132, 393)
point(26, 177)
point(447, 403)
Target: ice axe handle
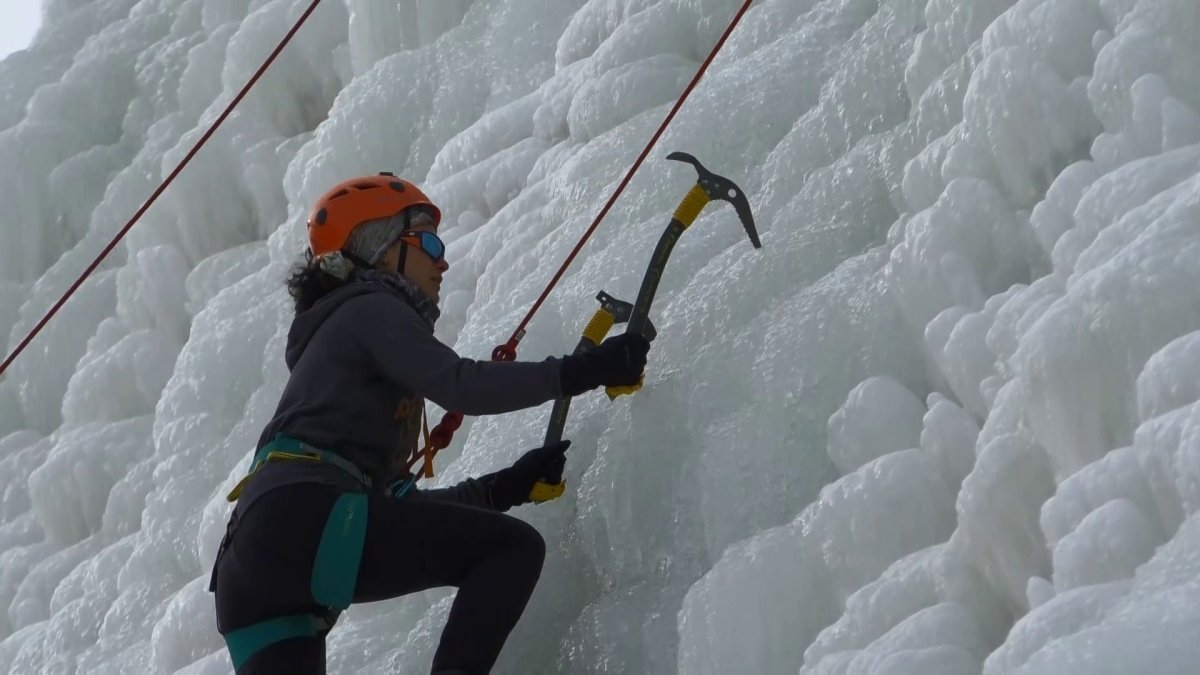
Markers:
point(602, 321)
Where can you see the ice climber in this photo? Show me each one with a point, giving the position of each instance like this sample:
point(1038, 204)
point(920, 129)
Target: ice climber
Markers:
point(328, 515)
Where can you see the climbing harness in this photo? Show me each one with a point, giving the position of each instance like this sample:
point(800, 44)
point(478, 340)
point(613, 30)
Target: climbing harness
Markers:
point(335, 568)
point(334, 575)
point(246, 642)
point(285, 448)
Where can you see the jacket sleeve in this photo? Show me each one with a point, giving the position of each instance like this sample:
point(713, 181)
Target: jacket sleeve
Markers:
point(403, 349)
point(471, 492)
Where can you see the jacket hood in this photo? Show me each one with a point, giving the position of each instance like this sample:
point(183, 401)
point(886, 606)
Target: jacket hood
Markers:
point(306, 323)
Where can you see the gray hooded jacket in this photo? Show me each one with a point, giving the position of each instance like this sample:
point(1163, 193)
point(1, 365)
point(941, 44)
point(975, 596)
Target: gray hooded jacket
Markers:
point(363, 359)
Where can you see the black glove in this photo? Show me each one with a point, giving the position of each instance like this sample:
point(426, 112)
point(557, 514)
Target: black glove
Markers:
point(510, 487)
point(619, 361)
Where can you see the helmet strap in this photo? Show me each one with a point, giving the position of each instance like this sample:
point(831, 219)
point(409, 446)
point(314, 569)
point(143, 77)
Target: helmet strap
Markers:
point(403, 255)
point(355, 259)
point(406, 215)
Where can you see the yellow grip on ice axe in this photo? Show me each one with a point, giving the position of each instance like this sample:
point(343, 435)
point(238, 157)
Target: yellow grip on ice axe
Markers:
point(597, 329)
point(693, 203)
point(614, 392)
point(544, 492)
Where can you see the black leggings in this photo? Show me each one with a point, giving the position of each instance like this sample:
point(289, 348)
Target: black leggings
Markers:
point(411, 545)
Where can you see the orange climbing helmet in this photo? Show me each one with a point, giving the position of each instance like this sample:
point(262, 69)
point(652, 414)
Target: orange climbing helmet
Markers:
point(355, 201)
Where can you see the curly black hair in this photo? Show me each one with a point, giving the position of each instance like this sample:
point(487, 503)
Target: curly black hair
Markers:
point(307, 282)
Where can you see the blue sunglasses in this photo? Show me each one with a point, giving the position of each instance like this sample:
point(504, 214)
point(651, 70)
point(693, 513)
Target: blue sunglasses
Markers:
point(431, 244)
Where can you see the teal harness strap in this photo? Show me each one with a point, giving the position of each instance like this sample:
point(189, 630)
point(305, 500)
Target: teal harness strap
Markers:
point(296, 449)
point(286, 448)
point(246, 642)
point(335, 569)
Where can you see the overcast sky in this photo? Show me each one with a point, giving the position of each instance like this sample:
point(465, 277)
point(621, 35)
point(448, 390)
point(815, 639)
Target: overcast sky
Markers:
point(19, 20)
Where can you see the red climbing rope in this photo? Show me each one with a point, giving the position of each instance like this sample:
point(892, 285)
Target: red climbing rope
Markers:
point(154, 197)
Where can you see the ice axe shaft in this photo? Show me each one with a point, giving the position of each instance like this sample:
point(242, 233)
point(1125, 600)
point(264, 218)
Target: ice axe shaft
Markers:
point(709, 187)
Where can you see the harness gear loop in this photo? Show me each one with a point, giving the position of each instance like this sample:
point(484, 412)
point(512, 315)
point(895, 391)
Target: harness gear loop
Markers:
point(286, 448)
point(437, 439)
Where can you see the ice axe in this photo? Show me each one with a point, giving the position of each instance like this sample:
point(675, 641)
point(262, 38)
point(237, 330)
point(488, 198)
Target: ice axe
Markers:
point(612, 311)
point(709, 187)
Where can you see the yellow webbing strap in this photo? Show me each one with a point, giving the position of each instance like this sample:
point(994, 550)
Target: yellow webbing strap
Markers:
point(260, 462)
point(236, 492)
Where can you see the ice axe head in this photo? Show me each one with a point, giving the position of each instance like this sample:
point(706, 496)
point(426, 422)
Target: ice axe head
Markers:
point(716, 187)
point(621, 312)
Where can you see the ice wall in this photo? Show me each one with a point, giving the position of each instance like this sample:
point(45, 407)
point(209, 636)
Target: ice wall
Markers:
point(1043, 254)
point(944, 421)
